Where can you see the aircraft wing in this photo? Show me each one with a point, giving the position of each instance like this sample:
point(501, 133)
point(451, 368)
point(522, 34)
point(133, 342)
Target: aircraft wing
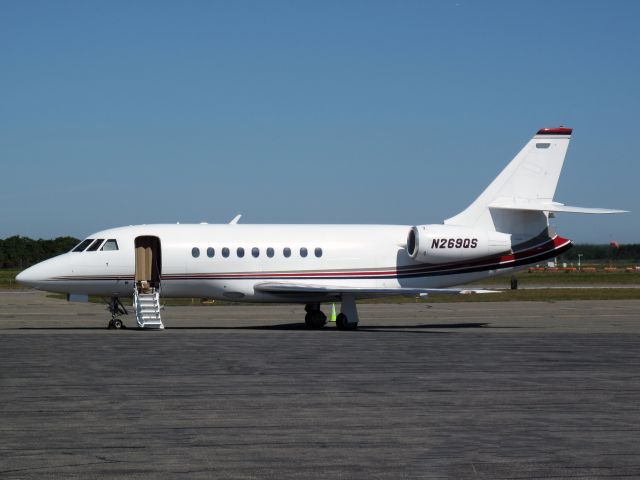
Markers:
point(287, 288)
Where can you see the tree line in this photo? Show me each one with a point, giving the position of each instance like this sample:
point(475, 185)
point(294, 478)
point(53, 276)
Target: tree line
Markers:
point(596, 253)
point(21, 252)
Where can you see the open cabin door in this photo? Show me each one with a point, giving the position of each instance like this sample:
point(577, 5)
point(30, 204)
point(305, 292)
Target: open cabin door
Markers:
point(148, 263)
point(146, 294)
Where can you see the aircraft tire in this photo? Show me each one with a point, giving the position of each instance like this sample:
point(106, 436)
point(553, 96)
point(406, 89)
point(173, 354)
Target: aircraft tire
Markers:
point(315, 319)
point(116, 323)
point(342, 323)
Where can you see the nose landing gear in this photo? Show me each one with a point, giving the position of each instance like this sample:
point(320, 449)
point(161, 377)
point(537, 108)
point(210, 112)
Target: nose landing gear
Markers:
point(116, 308)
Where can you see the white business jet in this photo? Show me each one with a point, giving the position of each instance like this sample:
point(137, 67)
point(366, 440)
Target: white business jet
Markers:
point(504, 230)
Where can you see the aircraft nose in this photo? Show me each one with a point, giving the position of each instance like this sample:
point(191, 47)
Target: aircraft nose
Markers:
point(33, 276)
point(28, 277)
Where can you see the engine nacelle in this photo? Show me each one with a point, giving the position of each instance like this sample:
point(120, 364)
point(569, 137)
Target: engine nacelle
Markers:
point(450, 243)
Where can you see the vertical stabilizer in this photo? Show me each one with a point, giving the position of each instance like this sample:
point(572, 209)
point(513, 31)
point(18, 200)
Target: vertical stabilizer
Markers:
point(532, 176)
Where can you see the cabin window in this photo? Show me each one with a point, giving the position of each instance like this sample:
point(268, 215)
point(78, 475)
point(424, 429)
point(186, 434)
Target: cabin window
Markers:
point(270, 252)
point(255, 252)
point(225, 252)
point(303, 252)
point(111, 244)
point(211, 252)
point(95, 245)
point(286, 251)
point(82, 245)
point(240, 252)
point(318, 252)
point(195, 252)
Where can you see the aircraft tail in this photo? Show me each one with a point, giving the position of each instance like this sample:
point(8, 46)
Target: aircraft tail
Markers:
point(520, 198)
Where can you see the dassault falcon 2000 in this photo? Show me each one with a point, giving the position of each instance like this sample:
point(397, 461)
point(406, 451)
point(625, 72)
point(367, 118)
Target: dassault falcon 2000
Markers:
point(505, 229)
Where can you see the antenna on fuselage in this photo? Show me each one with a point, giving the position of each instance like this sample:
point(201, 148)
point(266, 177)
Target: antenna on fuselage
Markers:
point(236, 219)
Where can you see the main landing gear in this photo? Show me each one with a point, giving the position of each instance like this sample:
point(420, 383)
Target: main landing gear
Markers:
point(314, 318)
point(116, 308)
point(343, 323)
point(347, 319)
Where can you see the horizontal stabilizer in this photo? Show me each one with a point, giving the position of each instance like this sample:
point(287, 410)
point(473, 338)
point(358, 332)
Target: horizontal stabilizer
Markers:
point(532, 205)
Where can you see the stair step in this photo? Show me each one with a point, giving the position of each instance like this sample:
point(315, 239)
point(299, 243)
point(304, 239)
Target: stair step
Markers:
point(155, 326)
point(147, 309)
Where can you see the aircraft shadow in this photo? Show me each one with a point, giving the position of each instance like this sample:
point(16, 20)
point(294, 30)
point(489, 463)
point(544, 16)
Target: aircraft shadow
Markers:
point(290, 327)
point(302, 326)
point(282, 326)
point(431, 328)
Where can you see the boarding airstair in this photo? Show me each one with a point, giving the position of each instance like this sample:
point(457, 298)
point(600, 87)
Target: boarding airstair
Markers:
point(146, 304)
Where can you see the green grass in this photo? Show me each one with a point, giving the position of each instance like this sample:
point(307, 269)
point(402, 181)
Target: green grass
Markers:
point(8, 279)
point(533, 295)
point(565, 278)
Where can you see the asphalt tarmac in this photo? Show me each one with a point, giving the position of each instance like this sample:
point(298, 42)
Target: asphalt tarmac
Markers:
point(484, 390)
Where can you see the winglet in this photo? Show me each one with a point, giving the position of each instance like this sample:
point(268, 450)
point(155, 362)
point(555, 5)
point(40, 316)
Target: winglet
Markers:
point(235, 220)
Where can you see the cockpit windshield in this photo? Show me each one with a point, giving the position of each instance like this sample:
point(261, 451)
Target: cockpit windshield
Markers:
point(95, 245)
point(82, 245)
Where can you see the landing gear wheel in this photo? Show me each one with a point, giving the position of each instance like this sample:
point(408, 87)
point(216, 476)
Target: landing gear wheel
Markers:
point(342, 323)
point(116, 309)
point(116, 323)
point(315, 319)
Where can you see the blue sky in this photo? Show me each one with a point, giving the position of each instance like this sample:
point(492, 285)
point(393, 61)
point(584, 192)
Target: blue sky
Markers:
point(123, 112)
